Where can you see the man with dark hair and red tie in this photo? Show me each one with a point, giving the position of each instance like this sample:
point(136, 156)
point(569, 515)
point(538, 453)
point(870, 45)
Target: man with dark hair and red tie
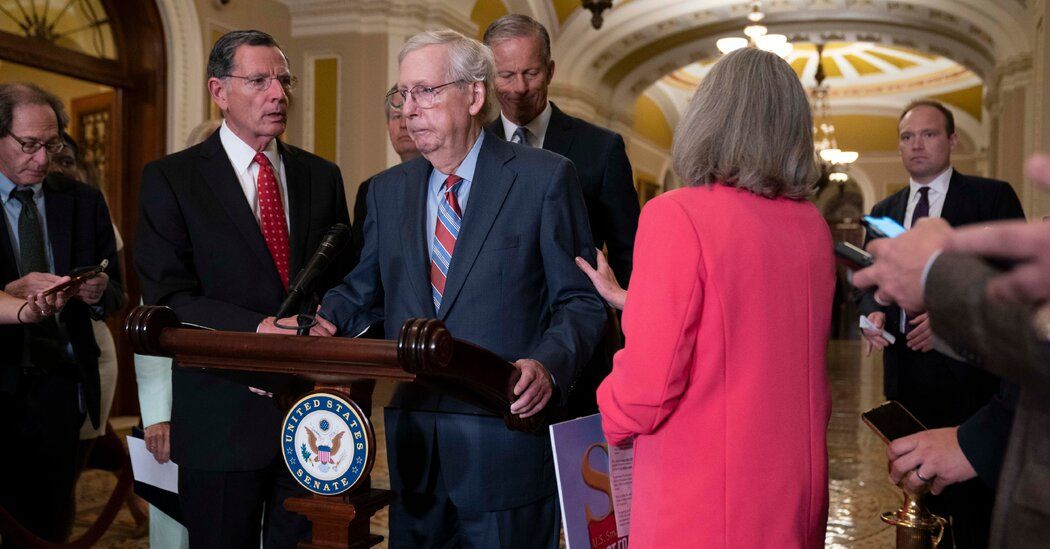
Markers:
point(481, 234)
point(967, 410)
point(224, 226)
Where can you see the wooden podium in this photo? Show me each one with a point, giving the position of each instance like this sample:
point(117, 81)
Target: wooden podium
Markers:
point(424, 353)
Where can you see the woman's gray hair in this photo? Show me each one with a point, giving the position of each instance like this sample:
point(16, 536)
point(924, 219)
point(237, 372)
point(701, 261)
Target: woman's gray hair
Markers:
point(748, 126)
point(468, 61)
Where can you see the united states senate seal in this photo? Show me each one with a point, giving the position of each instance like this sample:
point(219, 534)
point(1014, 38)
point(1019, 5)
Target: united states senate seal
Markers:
point(328, 443)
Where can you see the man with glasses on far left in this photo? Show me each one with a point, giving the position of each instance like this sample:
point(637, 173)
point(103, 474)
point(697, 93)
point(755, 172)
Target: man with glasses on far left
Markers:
point(224, 226)
point(49, 379)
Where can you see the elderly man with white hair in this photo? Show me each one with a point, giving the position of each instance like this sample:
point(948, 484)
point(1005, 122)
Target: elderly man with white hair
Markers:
point(481, 234)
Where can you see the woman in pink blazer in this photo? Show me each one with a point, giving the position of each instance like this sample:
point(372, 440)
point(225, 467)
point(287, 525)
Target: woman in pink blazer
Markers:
point(722, 383)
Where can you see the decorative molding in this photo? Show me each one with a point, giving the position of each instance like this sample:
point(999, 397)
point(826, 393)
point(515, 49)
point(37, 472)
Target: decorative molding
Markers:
point(185, 62)
point(406, 17)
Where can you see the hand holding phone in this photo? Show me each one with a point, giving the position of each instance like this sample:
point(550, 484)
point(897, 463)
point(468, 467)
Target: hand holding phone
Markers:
point(890, 420)
point(78, 276)
point(882, 227)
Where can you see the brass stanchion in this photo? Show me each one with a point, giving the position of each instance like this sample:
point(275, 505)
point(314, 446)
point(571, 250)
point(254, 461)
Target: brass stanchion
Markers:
point(917, 527)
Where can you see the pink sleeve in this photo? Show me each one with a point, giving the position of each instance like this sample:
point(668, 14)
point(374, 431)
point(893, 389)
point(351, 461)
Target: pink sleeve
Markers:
point(661, 319)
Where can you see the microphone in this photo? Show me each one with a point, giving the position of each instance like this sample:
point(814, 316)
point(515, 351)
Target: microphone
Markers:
point(331, 245)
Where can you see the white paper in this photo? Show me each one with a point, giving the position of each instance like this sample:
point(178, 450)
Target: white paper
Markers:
point(162, 475)
point(621, 470)
point(866, 324)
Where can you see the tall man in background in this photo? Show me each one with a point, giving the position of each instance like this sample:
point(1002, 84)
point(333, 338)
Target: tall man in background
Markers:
point(224, 226)
point(968, 413)
point(49, 379)
point(524, 70)
point(480, 234)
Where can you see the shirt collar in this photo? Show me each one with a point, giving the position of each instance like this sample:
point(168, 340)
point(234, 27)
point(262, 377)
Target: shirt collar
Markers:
point(6, 186)
point(537, 126)
point(939, 184)
point(465, 170)
point(241, 154)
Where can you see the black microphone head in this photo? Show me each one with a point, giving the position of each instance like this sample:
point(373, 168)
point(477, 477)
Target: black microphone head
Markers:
point(334, 241)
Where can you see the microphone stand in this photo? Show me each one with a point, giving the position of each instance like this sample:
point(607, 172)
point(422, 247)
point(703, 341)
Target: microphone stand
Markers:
point(305, 318)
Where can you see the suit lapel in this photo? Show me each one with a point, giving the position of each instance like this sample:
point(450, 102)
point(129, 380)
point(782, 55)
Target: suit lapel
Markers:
point(298, 185)
point(497, 128)
point(559, 132)
point(955, 200)
point(9, 268)
point(217, 172)
point(900, 206)
point(59, 206)
point(492, 182)
point(412, 193)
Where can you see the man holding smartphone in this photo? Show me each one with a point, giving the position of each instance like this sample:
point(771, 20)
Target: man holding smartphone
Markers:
point(966, 410)
point(49, 376)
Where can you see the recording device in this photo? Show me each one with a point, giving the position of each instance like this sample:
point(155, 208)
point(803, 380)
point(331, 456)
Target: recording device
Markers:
point(890, 420)
point(852, 256)
point(302, 286)
point(77, 276)
point(882, 227)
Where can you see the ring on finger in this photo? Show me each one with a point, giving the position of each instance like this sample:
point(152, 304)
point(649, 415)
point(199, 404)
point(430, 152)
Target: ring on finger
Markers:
point(922, 478)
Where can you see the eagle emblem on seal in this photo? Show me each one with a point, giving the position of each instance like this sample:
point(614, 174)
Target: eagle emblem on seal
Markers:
point(324, 445)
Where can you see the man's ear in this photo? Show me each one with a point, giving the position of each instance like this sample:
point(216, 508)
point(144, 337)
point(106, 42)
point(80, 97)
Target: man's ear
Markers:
point(477, 97)
point(953, 141)
point(217, 91)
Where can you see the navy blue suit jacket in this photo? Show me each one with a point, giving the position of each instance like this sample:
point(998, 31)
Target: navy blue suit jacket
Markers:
point(512, 288)
point(939, 390)
point(81, 234)
point(606, 179)
point(199, 250)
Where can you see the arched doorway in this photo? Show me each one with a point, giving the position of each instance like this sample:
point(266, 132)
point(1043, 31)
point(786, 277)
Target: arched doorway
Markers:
point(118, 45)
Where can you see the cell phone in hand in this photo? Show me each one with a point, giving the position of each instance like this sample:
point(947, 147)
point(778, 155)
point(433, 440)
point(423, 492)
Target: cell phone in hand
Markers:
point(852, 256)
point(882, 227)
point(77, 276)
point(891, 420)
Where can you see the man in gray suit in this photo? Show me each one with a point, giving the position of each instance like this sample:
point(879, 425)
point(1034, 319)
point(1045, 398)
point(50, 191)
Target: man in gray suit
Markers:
point(1000, 321)
point(481, 234)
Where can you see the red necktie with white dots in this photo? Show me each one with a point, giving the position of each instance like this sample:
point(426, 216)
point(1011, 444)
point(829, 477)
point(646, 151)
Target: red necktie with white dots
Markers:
point(271, 216)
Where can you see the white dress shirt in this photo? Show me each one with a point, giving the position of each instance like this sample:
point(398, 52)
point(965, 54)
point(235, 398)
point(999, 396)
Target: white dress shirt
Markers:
point(242, 156)
point(938, 190)
point(537, 127)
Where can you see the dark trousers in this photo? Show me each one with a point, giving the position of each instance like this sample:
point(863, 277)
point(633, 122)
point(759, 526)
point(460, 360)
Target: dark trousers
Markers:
point(431, 519)
point(968, 507)
point(39, 426)
point(226, 509)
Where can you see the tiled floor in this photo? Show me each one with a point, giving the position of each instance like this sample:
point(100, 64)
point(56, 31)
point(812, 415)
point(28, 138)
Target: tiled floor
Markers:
point(859, 488)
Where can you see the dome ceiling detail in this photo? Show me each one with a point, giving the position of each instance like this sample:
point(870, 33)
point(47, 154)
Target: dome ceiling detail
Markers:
point(859, 69)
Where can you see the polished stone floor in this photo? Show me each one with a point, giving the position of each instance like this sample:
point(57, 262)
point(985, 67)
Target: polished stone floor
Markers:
point(859, 488)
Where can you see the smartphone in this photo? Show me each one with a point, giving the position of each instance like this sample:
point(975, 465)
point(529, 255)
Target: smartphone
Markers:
point(78, 275)
point(890, 420)
point(882, 227)
point(852, 256)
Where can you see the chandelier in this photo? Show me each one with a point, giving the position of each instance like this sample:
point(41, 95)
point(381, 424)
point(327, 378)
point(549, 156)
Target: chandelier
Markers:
point(834, 161)
point(597, 8)
point(757, 36)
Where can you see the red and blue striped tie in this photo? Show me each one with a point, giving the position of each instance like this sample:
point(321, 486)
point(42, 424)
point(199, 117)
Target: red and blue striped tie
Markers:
point(446, 231)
